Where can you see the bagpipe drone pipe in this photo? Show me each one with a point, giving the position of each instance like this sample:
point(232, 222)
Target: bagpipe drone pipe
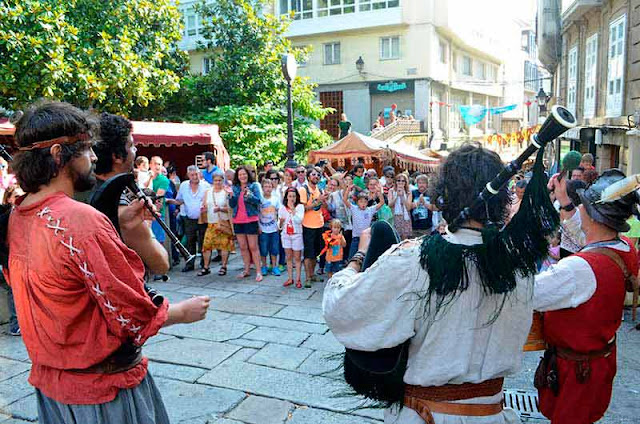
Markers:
point(378, 375)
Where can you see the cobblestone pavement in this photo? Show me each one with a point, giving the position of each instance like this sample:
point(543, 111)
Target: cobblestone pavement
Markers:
point(262, 356)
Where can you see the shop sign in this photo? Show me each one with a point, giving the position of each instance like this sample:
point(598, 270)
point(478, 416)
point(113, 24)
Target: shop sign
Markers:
point(390, 86)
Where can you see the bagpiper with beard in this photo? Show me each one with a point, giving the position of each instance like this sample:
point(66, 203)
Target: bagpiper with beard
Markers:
point(79, 290)
point(582, 298)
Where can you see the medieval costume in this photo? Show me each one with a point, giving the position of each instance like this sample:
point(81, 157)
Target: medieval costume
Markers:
point(84, 314)
point(462, 299)
point(582, 298)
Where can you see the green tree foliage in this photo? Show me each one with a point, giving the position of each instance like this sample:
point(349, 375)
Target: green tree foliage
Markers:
point(115, 55)
point(244, 91)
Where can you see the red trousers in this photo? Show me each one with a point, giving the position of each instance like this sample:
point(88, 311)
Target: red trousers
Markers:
point(580, 403)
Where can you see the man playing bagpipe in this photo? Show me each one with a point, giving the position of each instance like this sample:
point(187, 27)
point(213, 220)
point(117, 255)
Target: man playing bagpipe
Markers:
point(79, 289)
point(457, 307)
point(582, 297)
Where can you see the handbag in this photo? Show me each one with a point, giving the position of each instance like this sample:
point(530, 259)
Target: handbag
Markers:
point(223, 225)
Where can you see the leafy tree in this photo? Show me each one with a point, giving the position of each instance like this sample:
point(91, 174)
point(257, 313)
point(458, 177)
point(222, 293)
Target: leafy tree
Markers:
point(244, 91)
point(115, 55)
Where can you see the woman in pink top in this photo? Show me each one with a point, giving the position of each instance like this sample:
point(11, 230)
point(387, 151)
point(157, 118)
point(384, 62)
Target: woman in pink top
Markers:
point(245, 201)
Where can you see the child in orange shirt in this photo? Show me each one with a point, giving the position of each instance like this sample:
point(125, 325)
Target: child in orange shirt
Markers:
point(334, 243)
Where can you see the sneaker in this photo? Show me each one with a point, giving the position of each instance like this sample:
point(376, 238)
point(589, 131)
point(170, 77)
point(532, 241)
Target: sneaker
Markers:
point(264, 270)
point(307, 284)
point(15, 332)
point(276, 271)
point(282, 268)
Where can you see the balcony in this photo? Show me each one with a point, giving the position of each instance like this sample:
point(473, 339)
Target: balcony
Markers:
point(327, 16)
point(574, 9)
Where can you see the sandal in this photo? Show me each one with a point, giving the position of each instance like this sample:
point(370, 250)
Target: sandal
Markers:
point(258, 278)
point(243, 274)
point(307, 284)
point(223, 270)
point(203, 271)
point(298, 284)
point(287, 283)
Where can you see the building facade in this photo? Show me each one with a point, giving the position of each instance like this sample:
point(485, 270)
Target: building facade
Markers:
point(598, 79)
point(423, 56)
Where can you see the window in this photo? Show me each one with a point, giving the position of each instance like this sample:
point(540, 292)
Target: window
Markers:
point(389, 48)
point(191, 22)
point(466, 65)
point(335, 7)
point(455, 61)
point(481, 71)
point(206, 65)
point(493, 73)
point(366, 5)
point(615, 72)
point(531, 82)
point(332, 54)
point(443, 52)
point(590, 67)
point(302, 9)
point(572, 79)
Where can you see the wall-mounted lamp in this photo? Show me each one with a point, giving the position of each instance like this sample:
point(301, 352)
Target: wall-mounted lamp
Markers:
point(360, 64)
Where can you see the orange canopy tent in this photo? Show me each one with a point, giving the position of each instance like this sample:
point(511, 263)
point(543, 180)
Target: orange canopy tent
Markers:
point(374, 153)
point(177, 142)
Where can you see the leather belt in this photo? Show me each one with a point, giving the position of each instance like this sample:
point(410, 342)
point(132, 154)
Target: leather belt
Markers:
point(427, 400)
point(582, 359)
point(126, 357)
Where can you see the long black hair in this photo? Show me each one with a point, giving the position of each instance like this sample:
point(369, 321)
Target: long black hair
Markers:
point(462, 177)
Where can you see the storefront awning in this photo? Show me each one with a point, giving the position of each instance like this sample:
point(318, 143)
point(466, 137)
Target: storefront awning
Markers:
point(149, 133)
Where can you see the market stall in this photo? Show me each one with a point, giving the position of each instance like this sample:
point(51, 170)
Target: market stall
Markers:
point(356, 147)
point(177, 142)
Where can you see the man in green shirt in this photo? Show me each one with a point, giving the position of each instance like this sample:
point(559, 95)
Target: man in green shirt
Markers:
point(160, 185)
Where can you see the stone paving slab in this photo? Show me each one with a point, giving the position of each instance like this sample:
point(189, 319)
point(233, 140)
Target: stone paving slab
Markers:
point(176, 372)
point(280, 356)
point(252, 297)
point(158, 338)
point(14, 421)
point(206, 291)
point(324, 342)
point(276, 335)
point(10, 368)
point(286, 385)
point(322, 363)
point(255, 344)
point(299, 313)
point(245, 307)
point(284, 300)
point(243, 354)
point(318, 416)
point(196, 353)
point(261, 410)
point(287, 324)
point(13, 348)
point(188, 401)
point(13, 389)
point(24, 409)
point(235, 287)
point(213, 330)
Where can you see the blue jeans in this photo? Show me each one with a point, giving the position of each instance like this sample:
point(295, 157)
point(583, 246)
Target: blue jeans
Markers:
point(269, 244)
point(355, 241)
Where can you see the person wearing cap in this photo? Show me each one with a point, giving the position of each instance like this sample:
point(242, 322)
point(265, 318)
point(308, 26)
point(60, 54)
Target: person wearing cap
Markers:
point(582, 297)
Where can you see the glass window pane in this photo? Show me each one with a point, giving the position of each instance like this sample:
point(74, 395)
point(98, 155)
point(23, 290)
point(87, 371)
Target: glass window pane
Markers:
point(395, 46)
point(322, 13)
point(620, 28)
point(335, 2)
point(393, 3)
point(336, 53)
point(322, 4)
point(349, 9)
point(618, 85)
point(336, 12)
point(365, 7)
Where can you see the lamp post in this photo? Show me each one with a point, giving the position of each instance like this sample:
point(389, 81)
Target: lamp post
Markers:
point(360, 64)
point(289, 69)
point(543, 99)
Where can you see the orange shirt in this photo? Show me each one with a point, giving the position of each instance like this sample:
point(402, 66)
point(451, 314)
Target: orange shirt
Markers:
point(79, 293)
point(335, 251)
point(312, 219)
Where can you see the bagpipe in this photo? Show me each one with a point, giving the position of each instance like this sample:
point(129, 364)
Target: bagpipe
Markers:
point(379, 375)
point(107, 199)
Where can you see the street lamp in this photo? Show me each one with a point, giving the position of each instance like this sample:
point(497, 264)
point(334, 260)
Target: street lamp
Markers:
point(289, 69)
point(543, 99)
point(360, 64)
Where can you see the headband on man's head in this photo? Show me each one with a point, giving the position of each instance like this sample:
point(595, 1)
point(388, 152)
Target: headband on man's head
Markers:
point(58, 140)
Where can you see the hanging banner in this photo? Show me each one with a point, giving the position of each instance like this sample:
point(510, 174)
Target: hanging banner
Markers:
point(502, 109)
point(472, 114)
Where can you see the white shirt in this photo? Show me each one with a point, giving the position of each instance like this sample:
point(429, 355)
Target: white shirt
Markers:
point(459, 346)
point(567, 284)
point(192, 201)
point(295, 218)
